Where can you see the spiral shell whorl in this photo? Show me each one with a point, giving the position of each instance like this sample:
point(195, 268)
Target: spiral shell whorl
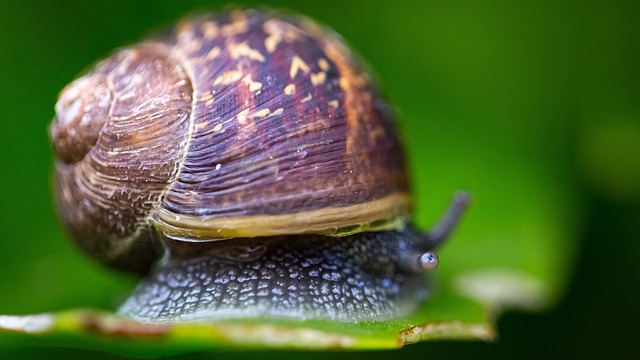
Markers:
point(105, 195)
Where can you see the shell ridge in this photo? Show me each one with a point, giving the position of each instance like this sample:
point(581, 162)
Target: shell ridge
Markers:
point(181, 60)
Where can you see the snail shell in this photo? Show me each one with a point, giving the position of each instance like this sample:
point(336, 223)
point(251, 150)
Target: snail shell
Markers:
point(237, 125)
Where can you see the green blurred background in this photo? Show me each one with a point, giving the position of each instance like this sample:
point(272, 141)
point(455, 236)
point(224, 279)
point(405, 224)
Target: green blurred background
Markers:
point(557, 81)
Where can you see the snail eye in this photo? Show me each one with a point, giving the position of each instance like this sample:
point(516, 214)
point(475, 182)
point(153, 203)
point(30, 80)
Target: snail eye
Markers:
point(81, 113)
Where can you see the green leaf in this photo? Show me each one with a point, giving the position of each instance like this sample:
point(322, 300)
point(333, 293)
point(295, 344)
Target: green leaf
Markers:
point(447, 316)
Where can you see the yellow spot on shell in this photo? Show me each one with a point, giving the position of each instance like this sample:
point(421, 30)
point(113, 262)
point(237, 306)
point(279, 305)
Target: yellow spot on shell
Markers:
point(244, 50)
point(333, 104)
point(319, 78)
point(217, 127)
point(277, 112)
point(271, 43)
point(290, 89)
point(237, 26)
point(213, 53)
point(253, 85)
point(323, 64)
point(210, 30)
point(228, 77)
point(261, 113)
point(297, 64)
point(307, 98)
point(202, 125)
point(206, 97)
point(273, 28)
point(242, 116)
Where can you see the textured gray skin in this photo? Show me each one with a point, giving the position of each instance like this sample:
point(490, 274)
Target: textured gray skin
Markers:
point(353, 278)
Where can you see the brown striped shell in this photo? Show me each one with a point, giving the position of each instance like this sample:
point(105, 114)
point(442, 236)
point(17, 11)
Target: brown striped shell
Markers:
point(240, 124)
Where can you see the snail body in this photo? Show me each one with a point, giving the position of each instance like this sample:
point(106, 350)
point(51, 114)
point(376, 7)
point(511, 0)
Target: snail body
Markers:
point(231, 152)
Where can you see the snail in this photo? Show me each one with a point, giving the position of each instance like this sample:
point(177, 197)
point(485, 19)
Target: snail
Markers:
point(246, 162)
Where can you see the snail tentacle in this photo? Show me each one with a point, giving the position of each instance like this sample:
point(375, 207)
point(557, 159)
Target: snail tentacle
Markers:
point(416, 253)
point(450, 220)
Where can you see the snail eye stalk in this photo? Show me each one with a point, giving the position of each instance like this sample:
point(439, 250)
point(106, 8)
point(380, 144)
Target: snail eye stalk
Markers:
point(428, 260)
point(449, 221)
